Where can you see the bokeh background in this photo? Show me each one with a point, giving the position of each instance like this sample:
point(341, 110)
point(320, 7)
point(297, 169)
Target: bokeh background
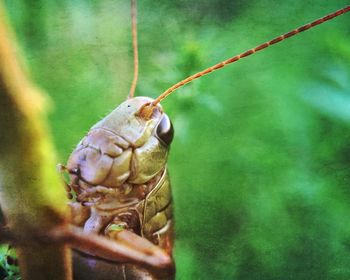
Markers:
point(260, 161)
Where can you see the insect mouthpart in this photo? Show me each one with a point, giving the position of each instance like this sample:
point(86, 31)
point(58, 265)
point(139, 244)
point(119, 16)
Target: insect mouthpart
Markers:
point(74, 171)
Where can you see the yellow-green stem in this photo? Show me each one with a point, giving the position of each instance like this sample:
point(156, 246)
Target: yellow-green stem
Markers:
point(31, 194)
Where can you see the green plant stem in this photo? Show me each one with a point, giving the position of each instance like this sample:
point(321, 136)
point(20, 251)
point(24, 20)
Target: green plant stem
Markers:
point(31, 194)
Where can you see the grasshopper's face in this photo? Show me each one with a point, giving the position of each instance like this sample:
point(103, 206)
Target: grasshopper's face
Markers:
point(122, 149)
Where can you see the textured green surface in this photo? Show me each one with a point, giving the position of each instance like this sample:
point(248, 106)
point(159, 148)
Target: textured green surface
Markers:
point(260, 160)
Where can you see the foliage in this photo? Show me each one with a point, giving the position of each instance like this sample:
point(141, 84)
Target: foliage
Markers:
point(260, 160)
point(8, 266)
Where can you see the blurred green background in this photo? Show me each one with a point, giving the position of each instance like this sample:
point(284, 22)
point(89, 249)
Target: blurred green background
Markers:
point(260, 160)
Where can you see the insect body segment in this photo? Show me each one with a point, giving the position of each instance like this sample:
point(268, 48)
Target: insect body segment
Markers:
point(118, 172)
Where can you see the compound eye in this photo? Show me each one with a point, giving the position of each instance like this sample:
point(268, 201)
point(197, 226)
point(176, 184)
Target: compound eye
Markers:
point(165, 130)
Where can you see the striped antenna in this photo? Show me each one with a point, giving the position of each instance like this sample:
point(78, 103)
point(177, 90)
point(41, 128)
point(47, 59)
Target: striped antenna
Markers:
point(245, 54)
point(135, 48)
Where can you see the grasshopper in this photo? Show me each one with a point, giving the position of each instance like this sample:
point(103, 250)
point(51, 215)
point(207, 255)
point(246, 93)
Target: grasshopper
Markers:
point(118, 173)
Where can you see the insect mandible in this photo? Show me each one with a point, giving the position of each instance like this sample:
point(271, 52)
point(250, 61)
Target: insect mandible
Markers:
point(118, 170)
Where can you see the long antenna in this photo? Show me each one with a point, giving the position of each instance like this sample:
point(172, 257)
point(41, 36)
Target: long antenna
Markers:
point(249, 52)
point(135, 49)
